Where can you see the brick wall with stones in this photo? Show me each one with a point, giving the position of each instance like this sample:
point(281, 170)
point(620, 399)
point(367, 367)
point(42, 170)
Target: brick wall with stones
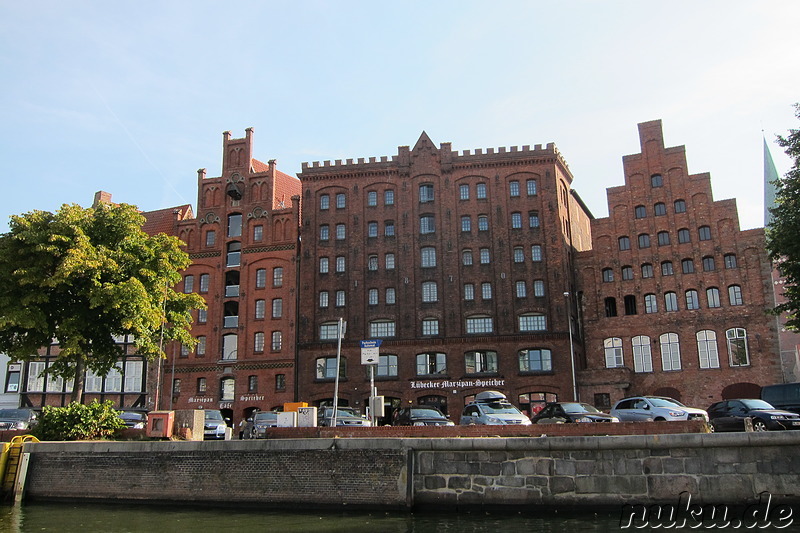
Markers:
point(441, 473)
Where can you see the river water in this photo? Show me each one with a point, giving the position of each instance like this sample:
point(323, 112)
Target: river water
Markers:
point(119, 518)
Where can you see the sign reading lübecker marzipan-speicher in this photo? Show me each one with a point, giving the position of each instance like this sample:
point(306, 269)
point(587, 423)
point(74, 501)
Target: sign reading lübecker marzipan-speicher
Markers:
point(460, 384)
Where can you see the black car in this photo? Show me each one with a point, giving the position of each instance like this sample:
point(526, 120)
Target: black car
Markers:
point(17, 419)
point(730, 415)
point(420, 416)
point(566, 412)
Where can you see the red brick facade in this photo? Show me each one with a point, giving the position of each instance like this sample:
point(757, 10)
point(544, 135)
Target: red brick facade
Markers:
point(673, 294)
point(458, 262)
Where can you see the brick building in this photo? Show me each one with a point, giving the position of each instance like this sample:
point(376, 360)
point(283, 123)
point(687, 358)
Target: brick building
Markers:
point(459, 263)
point(243, 246)
point(673, 294)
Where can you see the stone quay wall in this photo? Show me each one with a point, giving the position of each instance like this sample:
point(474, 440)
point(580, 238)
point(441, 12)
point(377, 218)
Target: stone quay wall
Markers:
point(439, 473)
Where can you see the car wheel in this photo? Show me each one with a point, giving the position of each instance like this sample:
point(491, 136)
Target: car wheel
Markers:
point(759, 425)
point(254, 434)
point(660, 419)
point(711, 427)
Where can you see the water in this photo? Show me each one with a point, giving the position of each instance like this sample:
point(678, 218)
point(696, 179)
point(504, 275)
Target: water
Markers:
point(121, 518)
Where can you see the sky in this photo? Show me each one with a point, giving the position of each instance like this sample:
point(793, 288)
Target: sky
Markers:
point(132, 97)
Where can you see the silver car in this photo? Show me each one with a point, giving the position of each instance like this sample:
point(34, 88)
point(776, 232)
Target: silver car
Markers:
point(657, 408)
point(492, 408)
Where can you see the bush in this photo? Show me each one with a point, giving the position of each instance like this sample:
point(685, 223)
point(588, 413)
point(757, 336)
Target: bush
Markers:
point(78, 422)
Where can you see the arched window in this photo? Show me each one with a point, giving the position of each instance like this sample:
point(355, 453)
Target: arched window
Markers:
point(613, 351)
point(642, 357)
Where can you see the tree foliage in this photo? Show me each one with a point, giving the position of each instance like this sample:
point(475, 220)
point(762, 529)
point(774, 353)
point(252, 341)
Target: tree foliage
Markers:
point(82, 276)
point(783, 234)
point(78, 422)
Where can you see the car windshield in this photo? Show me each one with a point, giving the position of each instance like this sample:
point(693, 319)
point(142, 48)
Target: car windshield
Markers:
point(214, 415)
point(14, 414)
point(131, 415)
point(340, 412)
point(270, 417)
point(665, 402)
point(757, 404)
point(426, 413)
point(500, 408)
point(575, 408)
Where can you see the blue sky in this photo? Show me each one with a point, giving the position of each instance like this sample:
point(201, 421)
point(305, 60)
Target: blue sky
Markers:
point(132, 97)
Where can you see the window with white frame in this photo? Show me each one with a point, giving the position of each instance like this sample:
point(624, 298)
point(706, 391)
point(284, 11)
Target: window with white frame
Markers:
point(536, 253)
point(642, 356)
point(324, 201)
point(258, 342)
point(535, 360)
point(188, 284)
point(513, 189)
point(277, 341)
point(261, 276)
point(390, 296)
point(387, 366)
point(521, 289)
point(738, 352)
point(532, 322)
point(735, 295)
point(712, 295)
point(340, 264)
point(372, 198)
point(389, 261)
point(692, 299)
point(670, 301)
point(429, 291)
point(114, 379)
point(381, 328)
point(533, 219)
point(670, 352)
point(469, 291)
point(428, 254)
point(479, 324)
point(372, 229)
point(516, 220)
point(326, 367)
point(388, 197)
point(430, 326)
point(613, 351)
point(200, 349)
point(519, 254)
point(463, 192)
point(480, 361)
point(341, 232)
point(277, 307)
point(466, 257)
point(431, 363)
point(372, 297)
point(480, 191)
point(530, 186)
point(466, 224)
point(427, 224)
point(388, 228)
point(485, 259)
point(323, 299)
point(483, 223)
point(538, 288)
point(486, 291)
point(707, 348)
point(277, 277)
point(329, 331)
point(323, 265)
point(324, 232)
point(340, 298)
point(372, 262)
point(426, 193)
point(341, 201)
point(258, 233)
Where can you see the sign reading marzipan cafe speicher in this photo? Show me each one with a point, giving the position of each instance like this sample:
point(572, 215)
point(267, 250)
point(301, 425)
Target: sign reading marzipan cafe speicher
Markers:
point(460, 384)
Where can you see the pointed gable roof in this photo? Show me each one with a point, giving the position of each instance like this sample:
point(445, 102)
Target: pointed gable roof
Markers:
point(424, 142)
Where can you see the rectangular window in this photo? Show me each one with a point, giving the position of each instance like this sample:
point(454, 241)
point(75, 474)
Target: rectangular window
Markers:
point(480, 191)
point(188, 284)
point(114, 379)
point(469, 291)
point(200, 349)
point(323, 299)
point(211, 237)
point(258, 342)
point(463, 192)
point(531, 187)
point(261, 278)
point(426, 193)
point(513, 189)
point(388, 197)
point(324, 202)
point(323, 265)
point(479, 325)
point(538, 288)
point(427, 224)
point(252, 383)
point(532, 323)
point(340, 298)
point(277, 308)
point(483, 223)
point(533, 219)
point(201, 385)
point(133, 376)
point(372, 198)
point(390, 296)
point(389, 261)
point(516, 220)
point(205, 280)
point(430, 326)
point(521, 289)
point(340, 263)
point(485, 256)
point(429, 292)
point(277, 277)
point(536, 252)
point(261, 308)
point(340, 232)
point(486, 291)
point(381, 329)
point(388, 228)
point(341, 201)
point(277, 341)
point(324, 232)
point(372, 229)
point(373, 297)
point(258, 233)
point(235, 225)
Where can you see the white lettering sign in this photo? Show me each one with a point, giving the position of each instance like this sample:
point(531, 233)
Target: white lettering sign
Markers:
point(460, 384)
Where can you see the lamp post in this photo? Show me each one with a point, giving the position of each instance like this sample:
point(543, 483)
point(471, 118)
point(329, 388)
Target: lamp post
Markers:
point(571, 348)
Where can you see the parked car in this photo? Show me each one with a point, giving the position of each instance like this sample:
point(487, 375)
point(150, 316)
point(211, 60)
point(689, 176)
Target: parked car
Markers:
point(730, 415)
point(656, 408)
point(257, 425)
point(782, 396)
point(492, 408)
point(134, 419)
point(215, 425)
point(345, 416)
point(566, 412)
point(420, 416)
point(17, 419)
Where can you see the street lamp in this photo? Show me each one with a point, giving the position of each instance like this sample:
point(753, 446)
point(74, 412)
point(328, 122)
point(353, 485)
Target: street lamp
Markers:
point(571, 349)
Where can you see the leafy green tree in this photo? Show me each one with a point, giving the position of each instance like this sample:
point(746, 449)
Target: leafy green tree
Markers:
point(783, 233)
point(78, 422)
point(82, 276)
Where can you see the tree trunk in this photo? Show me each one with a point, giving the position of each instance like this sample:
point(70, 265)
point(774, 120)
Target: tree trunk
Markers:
point(80, 380)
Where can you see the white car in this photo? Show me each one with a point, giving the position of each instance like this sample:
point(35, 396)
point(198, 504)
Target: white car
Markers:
point(657, 408)
point(492, 408)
